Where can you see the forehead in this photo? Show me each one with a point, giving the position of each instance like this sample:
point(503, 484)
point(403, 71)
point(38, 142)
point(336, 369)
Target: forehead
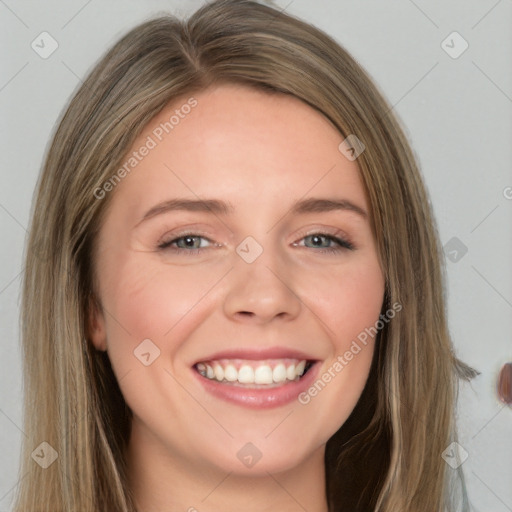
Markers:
point(239, 143)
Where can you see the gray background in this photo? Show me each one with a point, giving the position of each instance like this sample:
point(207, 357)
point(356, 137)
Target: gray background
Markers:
point(457, 115)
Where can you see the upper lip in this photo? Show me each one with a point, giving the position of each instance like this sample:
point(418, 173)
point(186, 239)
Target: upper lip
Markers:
point(257, 354)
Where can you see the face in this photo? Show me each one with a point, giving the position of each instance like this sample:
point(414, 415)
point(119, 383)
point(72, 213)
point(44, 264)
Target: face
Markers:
point(236, 266)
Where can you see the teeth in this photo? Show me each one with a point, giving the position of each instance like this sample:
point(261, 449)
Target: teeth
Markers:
point(245, 374)
point(219, 373)
point(290, 372)
point(263, 375)
point(252, 372)
point(279, 373)
point(230, 373)
point(299, 369)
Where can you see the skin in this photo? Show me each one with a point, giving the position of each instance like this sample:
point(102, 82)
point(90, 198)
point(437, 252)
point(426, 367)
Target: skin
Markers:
point(261, 153)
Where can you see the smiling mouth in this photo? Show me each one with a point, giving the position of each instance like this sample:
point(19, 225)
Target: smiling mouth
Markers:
point(254, 374)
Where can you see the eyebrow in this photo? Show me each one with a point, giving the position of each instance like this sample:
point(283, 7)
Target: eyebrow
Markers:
point(217, 207)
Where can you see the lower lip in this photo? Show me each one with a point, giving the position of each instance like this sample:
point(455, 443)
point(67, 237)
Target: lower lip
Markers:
point(262, 398)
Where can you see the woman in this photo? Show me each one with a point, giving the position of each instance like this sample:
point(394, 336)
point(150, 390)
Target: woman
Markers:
point(234, 295)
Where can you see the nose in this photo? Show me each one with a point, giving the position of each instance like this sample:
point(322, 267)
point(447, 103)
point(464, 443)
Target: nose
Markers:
point(262, 291)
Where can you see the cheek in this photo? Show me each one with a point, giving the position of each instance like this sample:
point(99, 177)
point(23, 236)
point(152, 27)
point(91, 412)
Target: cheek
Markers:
point(349, 300)
point(350, 307)
point(152, 310)
point(150, 301)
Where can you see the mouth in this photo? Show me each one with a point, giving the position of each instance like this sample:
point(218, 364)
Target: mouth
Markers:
point(255, 374)
point(257, 379)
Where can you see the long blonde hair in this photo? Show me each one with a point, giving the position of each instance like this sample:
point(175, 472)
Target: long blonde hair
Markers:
point(387, 456)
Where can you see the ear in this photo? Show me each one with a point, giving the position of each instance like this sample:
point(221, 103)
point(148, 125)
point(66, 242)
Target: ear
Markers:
point(96, 329)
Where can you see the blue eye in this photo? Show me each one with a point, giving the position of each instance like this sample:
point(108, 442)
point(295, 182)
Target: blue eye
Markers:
point(319, 238)
point(190, 243)
point(185, 243)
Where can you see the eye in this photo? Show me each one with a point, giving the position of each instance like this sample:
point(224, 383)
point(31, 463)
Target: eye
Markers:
point(188, 242)
point(191, 243)
point(323, 241)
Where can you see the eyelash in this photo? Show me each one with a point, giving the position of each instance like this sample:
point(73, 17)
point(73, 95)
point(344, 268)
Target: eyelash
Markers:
point(343, 244)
